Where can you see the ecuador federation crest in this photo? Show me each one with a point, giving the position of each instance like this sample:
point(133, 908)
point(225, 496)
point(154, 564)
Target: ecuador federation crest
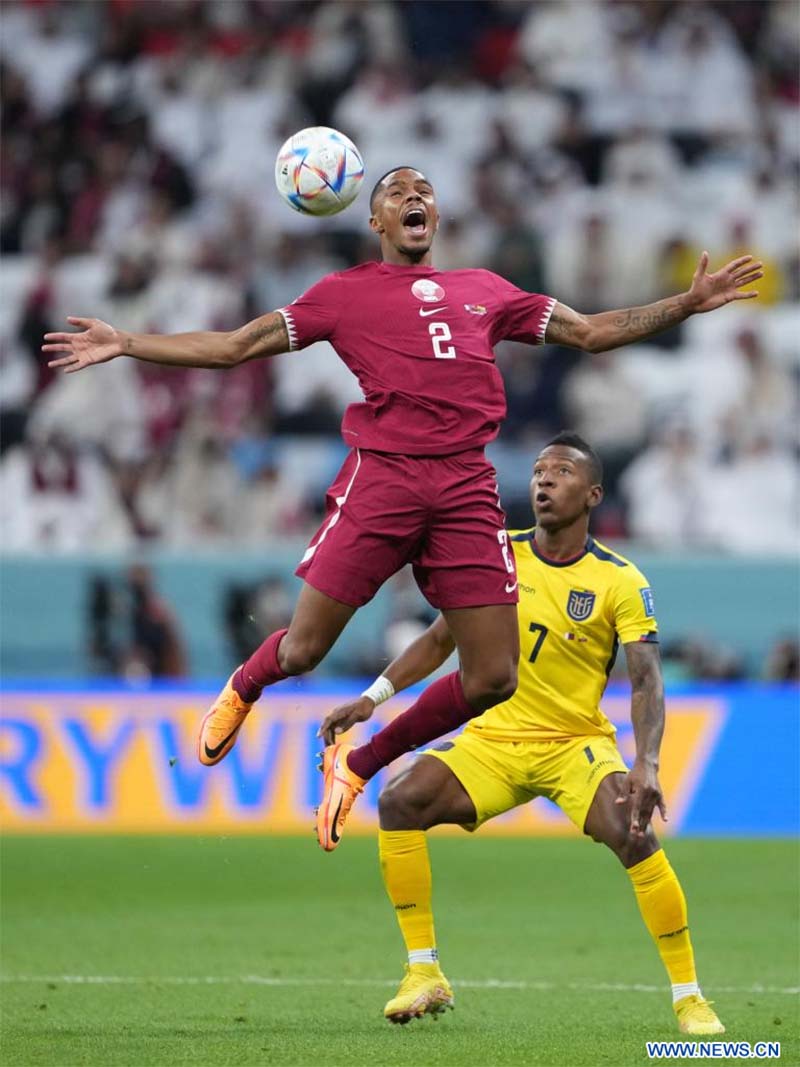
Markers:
point(580, 604)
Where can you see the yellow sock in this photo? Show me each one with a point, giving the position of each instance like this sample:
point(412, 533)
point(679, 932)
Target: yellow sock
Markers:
point(406, 873)
point(663, 907)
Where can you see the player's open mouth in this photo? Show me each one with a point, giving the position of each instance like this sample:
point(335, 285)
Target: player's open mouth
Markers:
point(414, 221)
point(542, 499)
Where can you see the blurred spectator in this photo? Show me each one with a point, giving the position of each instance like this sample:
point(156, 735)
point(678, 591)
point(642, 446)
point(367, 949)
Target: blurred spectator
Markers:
point(534, 380)
point(312, 402)
point(783, 664)
point(56, 497)
point(517, 253)
point(250, 611)
point(101, 615)
point(585, 148)
point(17, 385)
point(45, 53)
point(566, 40)
point(378, 107)
point(460, 245)
point(131, 630)
point(734, 388)
point(205, 490)
point(594, 262)
point(607, 408)
point(294, 265)
point(104, 409)
point(698, 70)
point(410, 617)
point(533, 113)
point(156, 649)
point(696, 658)
point(643, 158)
point(665, 488)
point(770, 399)
point(752, 503)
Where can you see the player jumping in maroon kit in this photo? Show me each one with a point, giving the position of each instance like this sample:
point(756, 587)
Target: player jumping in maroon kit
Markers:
point(416, 487)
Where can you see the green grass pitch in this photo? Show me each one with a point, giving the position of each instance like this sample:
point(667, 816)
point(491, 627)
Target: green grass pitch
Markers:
point(254, 950)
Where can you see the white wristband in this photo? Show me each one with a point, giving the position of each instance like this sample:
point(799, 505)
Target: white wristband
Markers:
point(380, 690)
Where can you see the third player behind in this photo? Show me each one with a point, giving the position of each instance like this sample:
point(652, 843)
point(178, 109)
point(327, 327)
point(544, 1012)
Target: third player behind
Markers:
point(578, 603)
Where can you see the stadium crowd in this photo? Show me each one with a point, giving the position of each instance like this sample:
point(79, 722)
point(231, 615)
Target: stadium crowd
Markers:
point(585, 149)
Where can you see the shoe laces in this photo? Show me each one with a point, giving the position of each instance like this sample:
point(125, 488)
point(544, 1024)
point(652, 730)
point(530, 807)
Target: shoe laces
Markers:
point(701, 1009)
point(704, 1009)
point(233, 702)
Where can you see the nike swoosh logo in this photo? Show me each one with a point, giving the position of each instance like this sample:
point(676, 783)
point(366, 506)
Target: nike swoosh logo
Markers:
point(511, 588)
point(212, 753)
point(431, 311)
point(334, 835)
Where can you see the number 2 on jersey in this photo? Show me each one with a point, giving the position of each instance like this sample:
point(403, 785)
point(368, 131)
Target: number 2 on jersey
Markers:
point(541, 633)
point(440, 332)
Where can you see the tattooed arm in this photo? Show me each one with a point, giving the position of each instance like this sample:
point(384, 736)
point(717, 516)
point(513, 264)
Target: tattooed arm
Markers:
point(99, 342)
point(641, 786)
point(611, 329)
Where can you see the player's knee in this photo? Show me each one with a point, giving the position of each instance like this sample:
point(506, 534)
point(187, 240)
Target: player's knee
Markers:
point(638, 849)
point(298, 655)
point(401, 807)
point(630, 850)
point(490, 686)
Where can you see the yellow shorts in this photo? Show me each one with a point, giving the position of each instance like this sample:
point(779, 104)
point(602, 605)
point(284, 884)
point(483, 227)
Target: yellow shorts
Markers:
point(500, 775)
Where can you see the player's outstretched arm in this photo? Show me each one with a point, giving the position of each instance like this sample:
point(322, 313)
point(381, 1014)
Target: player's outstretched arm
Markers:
point(612, 329)
point(641, 788)
point(421, 658)
point(96, 342)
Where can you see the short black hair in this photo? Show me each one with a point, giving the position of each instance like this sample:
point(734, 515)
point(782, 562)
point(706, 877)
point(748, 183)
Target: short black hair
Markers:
point(570, 439)
point(383, 177)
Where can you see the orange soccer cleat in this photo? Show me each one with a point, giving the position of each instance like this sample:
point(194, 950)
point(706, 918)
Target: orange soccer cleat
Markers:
point(340, 789)
point(220, 728)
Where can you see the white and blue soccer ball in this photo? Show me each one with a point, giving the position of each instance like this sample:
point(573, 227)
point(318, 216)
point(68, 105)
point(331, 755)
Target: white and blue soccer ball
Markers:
point(319, 171)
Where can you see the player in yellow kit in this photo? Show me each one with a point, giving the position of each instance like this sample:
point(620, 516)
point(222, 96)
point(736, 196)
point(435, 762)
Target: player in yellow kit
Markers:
point(578, 603)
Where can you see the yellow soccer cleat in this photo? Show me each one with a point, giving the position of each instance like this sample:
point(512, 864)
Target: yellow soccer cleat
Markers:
point(695, 1016)
point(339, 791)
point(423, 991)
point(219, 729)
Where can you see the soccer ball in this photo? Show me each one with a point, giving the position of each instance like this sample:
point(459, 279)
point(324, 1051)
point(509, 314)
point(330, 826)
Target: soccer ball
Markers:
point(319, 171)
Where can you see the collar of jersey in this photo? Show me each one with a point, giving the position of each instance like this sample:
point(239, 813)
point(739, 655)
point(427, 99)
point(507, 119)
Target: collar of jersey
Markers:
point(558, 562)
point(398, 268)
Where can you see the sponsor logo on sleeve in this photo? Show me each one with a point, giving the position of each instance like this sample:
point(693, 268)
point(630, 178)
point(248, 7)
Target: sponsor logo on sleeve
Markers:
point(647, 600)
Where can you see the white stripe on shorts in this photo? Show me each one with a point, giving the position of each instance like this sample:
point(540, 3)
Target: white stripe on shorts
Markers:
point(340, 502)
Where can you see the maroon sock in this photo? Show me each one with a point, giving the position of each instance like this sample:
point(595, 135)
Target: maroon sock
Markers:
point(440, 709)
point(260, 670)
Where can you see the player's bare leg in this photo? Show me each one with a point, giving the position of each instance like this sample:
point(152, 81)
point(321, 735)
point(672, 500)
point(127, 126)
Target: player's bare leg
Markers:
point(487, 639)
point(315, 627)
point(425, 794)
point(660, 899)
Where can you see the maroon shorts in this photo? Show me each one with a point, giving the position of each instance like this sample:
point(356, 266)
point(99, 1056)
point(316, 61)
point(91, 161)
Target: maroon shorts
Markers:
point(440, 513)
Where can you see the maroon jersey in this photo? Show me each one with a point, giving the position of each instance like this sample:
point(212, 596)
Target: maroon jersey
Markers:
point(419, 340)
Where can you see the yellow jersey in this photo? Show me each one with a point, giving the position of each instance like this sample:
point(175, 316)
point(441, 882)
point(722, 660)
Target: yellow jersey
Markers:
point(573, 614)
